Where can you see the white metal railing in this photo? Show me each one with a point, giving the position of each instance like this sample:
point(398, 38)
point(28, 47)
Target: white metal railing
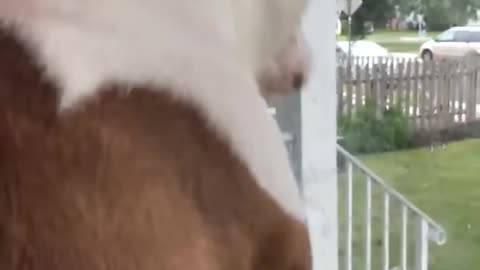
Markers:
point(398, 233)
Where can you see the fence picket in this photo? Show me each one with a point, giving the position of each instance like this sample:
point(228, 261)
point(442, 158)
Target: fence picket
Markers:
point(461, 89)
point(415, 94)
point(434, 95)
point(358, 88)
point(391, 86)
point(408, 93)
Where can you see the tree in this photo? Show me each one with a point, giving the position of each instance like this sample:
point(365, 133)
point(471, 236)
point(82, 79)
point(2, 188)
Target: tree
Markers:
point(441, 14)
point(376, 11)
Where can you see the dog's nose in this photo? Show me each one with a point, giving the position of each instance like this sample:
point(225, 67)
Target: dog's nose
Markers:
point(298, 63)
point(298, 80)
point(287, 73)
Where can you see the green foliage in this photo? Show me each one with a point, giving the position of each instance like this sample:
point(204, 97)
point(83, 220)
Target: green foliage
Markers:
point(441, 14)
point(368, 132)
point(375, 11)
point(359, 30)
point(438, 18)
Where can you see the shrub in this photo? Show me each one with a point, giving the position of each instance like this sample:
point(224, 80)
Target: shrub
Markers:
point(368, 132)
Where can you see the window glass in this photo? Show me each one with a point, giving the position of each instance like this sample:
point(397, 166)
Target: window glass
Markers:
point(446, 36)
point(475, 36)
point(461, 36)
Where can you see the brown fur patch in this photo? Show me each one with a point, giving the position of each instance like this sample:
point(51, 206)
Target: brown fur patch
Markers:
point(129, 181)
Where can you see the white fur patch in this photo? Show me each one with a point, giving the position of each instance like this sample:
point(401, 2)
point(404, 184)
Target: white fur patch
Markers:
point(190, 46)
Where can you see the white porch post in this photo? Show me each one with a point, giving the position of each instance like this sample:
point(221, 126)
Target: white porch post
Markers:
point(318, 134)
point(309, 120)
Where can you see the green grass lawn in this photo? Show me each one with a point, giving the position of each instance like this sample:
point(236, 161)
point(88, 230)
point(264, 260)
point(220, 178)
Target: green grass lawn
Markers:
point(411, 47)
point(446, 185)
point(391, 36)
point(386, 36)
point(392, 40)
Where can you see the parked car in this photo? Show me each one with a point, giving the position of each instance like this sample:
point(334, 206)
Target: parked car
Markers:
point(460, 41)
point(368, 53)
point(361, 51)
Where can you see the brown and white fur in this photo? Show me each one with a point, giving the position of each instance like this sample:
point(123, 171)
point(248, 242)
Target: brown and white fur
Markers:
point(133, 135)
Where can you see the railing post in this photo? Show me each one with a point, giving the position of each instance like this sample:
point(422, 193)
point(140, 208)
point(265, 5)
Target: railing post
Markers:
point(386, 231)
point(425, 229)
point(404, 241)
point(368, 223)
point(349, 247)
point(421, 244)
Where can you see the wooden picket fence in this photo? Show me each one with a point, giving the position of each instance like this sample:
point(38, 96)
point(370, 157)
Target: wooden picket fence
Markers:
point(434, 94)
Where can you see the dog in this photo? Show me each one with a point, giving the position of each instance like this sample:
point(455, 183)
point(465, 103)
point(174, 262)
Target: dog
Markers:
point(134, 134)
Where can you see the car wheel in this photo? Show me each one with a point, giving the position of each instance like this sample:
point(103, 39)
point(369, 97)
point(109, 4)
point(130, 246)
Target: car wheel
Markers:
point(427, 55)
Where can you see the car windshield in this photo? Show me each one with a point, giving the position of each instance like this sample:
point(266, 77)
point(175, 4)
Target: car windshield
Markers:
point(446, 36)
